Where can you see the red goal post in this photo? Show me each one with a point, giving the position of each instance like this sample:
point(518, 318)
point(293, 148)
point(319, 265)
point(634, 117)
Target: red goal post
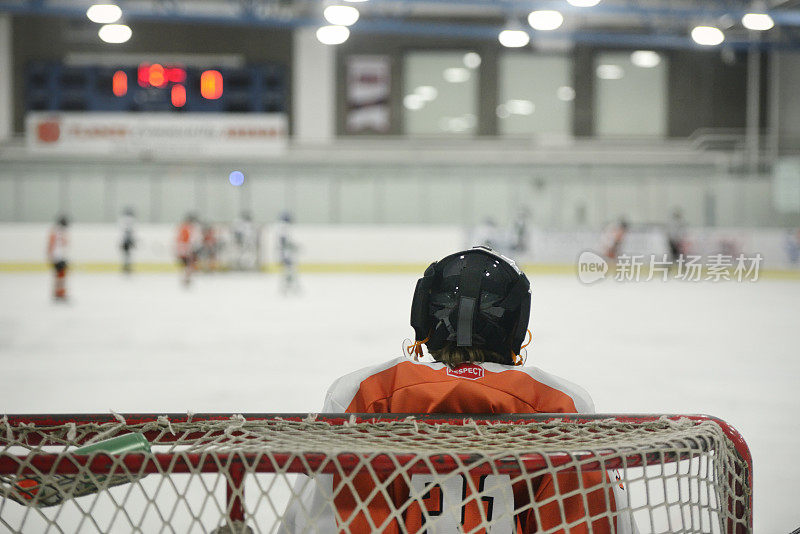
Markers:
point(237, 472)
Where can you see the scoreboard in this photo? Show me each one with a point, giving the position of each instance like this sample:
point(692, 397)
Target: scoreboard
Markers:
point(53, 86)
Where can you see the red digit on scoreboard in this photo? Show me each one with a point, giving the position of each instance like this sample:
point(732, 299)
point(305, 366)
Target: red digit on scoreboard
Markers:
point(178, 95)
point(175, 74)
point(211, 84)
point(119, 83)
point(156, 77)
point(143, 74)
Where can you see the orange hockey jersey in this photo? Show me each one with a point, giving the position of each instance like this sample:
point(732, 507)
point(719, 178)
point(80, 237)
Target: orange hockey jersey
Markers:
point(188, 240)
point(405, 386)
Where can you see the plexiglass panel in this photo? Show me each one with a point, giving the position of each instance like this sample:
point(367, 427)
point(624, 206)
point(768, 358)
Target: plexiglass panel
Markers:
point(7, 212)
point(358, 199)
point(267, 198)
point(221, 198)
point(178, 196)
point(86, 198)
point(40, 198)
point(135, 193)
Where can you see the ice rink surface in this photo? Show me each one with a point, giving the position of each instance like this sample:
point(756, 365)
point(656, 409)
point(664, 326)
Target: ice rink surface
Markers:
point(233, 343)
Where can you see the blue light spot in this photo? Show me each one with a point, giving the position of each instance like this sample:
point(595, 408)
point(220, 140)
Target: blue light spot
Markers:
point(236, 178)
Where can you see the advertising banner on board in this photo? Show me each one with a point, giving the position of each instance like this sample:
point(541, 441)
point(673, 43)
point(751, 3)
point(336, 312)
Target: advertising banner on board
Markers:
point(368, 91)
point(156, 135)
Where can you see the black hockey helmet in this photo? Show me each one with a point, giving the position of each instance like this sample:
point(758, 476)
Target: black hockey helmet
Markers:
point(475, 297)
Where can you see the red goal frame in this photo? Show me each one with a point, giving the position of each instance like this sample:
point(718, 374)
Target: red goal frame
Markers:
point(289, 462)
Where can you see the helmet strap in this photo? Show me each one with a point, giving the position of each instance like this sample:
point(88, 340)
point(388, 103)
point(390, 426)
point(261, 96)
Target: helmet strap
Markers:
point(469, 294)
point(415, 349)
point(518, 359)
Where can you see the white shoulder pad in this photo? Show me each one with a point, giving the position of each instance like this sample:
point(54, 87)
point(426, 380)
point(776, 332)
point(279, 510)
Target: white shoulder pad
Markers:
point(344, 388)
point(583, 401)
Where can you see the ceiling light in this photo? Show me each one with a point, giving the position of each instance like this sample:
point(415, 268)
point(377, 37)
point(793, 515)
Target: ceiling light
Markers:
point(757, 21)
point(458, 124)
point(707, 35)
point(341, 15)
point(456, 75)
point(565, 93)
point(545, 20)
point(426, 92)
point(413, 102)
point(114, 33)
point(520, 107)
point(472, 60)
point(583, 3)
point(502, 111)
point(104, 13)
point(514, 38)
point(610, 72)
point(333, 35)
point(645, 58)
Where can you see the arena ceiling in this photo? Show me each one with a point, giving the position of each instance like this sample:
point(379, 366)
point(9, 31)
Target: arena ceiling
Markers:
point(614, 23)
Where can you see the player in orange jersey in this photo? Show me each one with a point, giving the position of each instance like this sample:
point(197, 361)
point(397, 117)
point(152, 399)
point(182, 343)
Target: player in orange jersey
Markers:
point(187, 246)
point(57, 247)
point(209, 247)
point(471, 310)
point(614, 239)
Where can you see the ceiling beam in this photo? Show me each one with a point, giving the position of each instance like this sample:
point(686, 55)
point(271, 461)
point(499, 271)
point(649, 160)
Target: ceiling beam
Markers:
point(180, 12)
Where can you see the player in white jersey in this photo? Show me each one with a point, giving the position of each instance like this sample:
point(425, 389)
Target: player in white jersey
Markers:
point(287, 253)
point(57, 255)
point(245, 242)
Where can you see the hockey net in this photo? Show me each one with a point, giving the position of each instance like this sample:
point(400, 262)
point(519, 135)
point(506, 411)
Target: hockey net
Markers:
point(374, 473)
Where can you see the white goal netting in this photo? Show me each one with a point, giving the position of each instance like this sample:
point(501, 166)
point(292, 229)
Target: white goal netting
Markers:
point(373, 473)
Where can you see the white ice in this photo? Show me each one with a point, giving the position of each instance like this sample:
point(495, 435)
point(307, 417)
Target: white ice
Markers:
point(232, 343)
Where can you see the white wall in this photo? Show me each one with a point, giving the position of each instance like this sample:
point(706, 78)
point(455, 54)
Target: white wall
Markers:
point(313, 88)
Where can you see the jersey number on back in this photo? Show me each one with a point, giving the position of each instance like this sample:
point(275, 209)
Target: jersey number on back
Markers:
point(455, 504)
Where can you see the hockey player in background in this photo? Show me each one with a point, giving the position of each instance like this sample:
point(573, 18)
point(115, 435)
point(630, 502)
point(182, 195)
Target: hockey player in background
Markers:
point(244, 241)
point(793, 246)
point(487, 234)
point(614, 239)
point(676, 236)
point(520, 231)
point(187, 246)
point(287, 253)
point(209, 249)
point(57, 255)
point(127, 224)
point(471, 310)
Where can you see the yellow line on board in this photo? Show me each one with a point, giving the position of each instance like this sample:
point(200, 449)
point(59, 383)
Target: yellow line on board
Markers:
point(532, 269)
point(22, 267)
